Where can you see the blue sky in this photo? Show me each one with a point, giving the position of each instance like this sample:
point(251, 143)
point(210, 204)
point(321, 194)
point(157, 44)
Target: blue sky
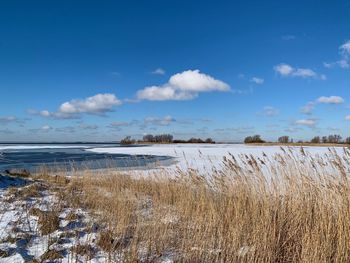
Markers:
point(100, 70)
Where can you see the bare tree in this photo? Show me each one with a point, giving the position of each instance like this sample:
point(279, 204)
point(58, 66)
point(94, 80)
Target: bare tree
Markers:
point(335, 138)
point(316, 139)
point(127, 140)
point(148, 138)
point(283, 139)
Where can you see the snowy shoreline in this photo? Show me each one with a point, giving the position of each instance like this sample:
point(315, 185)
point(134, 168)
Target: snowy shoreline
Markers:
point(205, 157)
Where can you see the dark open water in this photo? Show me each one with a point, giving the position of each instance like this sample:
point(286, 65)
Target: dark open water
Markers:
point(71, 156)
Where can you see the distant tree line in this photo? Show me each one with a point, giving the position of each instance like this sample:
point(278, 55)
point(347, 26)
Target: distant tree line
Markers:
point(195, 140)
point(163, 138)
point(333, 138)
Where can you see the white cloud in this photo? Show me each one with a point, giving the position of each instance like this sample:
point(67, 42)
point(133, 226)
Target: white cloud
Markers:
point(330, 100)
point(98, 104)
point(310, 106)
point(163, 93)
point(304, 73)
point(343, 63)
point(345, 48)
point(158, 71)
point(183, 86)
point(307, 122)
point(46, 128)
point(347, 118)
point(257, 80)
point(286, 70)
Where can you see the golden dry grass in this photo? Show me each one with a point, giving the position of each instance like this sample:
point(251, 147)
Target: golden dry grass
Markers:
point(289, 208)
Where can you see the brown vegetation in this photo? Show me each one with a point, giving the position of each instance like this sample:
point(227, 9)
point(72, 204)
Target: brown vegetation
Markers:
point(299, 214)
point(48, 222)
point(292, 207)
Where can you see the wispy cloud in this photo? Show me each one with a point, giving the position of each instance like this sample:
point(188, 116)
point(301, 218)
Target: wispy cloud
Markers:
point(8, 119)
point(345, 49)
point(310, 106)
point(269, 111)
point(343, 62)
point(158, 71)
point(167, 120)
point(257, 80)
point(4, 120)
point(286, 70)
point(44, 129)
point(307, 122)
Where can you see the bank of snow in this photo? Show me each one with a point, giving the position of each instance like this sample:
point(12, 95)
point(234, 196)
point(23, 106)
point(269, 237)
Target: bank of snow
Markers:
point(205, 157)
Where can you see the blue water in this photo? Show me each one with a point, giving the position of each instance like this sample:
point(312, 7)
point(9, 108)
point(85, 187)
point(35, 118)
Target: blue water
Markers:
point(71, 156)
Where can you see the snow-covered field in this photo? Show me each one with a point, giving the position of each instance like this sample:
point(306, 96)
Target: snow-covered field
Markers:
point(205, 157)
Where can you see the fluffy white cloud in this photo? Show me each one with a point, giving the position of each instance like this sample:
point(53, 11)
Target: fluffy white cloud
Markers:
point(347, 118)
point(286, 70)
point(98, 104)
point(163, 93)
point(307, 122)
point(158, 71)
point(330, 100)
point(257, 80)
point(183, 86)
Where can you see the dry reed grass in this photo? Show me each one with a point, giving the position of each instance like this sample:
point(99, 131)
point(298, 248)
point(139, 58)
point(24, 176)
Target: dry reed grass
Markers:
point(293, 207)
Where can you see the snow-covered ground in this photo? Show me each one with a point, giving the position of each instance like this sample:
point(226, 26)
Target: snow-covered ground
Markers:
point(20, 237)
point(205, 157)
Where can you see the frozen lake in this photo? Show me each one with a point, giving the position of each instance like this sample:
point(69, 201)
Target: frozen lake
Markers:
point(69, 156)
